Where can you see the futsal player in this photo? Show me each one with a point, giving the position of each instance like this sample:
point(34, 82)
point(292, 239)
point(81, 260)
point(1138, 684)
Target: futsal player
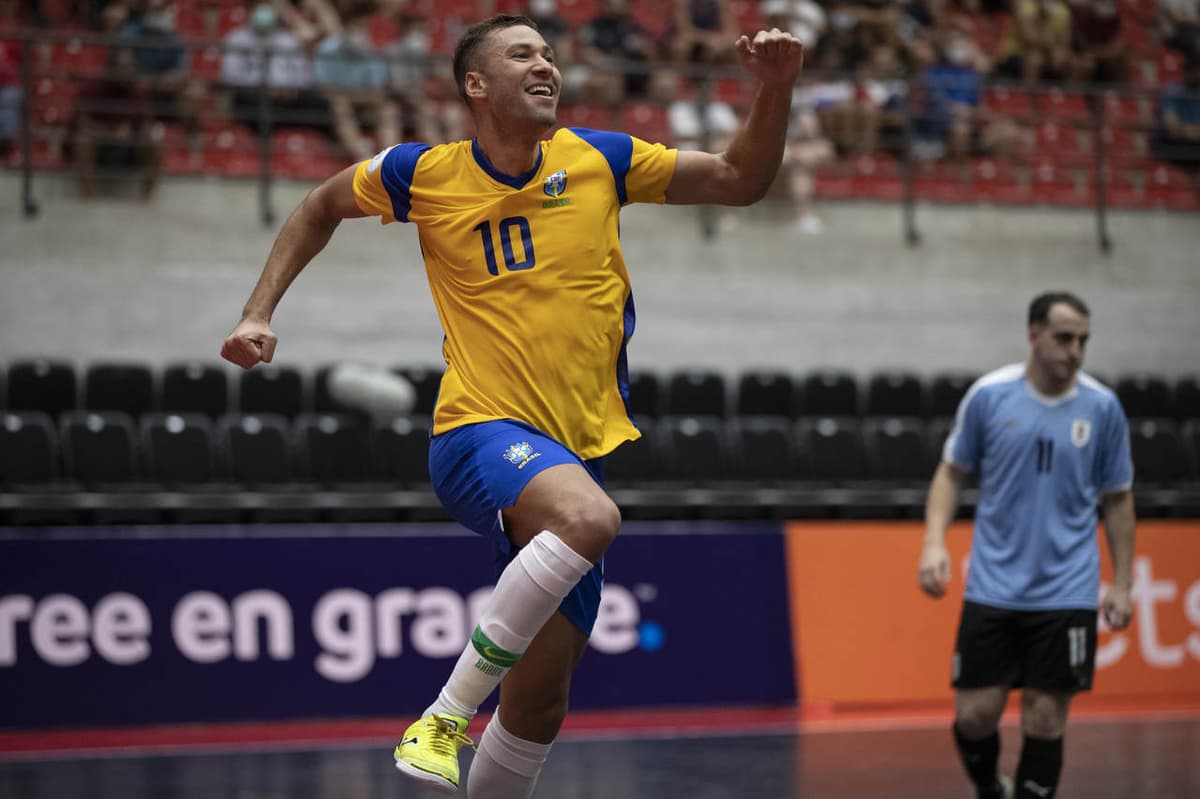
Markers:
point(520, 241)
point(1050, 445)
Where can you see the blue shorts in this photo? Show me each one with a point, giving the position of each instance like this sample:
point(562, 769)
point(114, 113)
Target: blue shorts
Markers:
point(478, 470)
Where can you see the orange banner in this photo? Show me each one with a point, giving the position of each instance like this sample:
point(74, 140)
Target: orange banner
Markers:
point(864, 634)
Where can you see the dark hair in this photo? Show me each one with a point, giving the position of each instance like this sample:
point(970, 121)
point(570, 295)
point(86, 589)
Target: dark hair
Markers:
point(466, 52)
point(1039, 309)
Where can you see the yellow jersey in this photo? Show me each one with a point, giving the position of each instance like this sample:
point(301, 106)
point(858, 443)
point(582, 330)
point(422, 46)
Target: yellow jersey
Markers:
point(527, 276)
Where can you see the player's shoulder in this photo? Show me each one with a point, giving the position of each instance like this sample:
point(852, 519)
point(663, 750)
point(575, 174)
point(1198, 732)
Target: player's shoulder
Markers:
point(999, 381)
point(404, 156)
point(1097, 392)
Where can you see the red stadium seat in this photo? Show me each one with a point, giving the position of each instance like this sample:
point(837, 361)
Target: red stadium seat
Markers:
point(54, 101)
point(1053, 185)
point(79, 59)
point(1126, 110)
point(646, 121)
point(1170, 187)
point(1014, 103)
point(1064, 107)
point(997, 182)
point(584, 115)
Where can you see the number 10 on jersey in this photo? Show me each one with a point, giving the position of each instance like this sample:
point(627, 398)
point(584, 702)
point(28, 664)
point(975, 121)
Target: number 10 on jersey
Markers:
point(506, 227)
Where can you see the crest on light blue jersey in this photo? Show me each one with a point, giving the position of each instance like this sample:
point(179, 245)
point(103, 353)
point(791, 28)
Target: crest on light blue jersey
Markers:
point(520, 454)
point(556, 184)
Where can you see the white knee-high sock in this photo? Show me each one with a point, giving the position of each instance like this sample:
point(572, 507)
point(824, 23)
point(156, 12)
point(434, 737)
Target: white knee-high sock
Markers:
point(528, 592)
point(505, 766)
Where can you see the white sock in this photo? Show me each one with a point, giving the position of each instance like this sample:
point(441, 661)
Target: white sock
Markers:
point(505, 766)
point(528, 592)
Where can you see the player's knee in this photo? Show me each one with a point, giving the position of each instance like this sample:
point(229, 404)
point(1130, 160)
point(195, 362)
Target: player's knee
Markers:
point(590, 526)
point(976, 721)
point(1043, 718)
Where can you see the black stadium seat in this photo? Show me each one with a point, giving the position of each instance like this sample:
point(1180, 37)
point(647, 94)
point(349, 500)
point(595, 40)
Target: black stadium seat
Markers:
point(895, 394)
point(695, 448)
point(426, 380)
point(42, 385)
point(767, 393)
point(271, 389)
point(1158, 451)
point(99, 447)
point(1187, 398)
point(1145, 396)
point(829, 392)
point(946, 390)
point(195, 387)
point(696, 392)
point(124, 387)
point(763, 449)
point(834, 448)
point(897, 448)
point(28, 448)
point(255, 448)
point(331, 448)
point(645, 395)
point(400, 450)
point(636, 463)
point(178, 448)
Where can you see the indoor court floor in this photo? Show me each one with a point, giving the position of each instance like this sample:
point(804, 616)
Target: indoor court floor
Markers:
point(1117, 757)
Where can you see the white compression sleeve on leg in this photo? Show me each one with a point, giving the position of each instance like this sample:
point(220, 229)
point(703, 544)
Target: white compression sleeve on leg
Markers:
point(505, 766)
point(528, 592)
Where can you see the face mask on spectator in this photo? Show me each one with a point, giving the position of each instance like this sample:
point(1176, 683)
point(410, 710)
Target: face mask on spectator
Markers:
point(541, 8)
point(161, 20)
point(262, 19)
point(959, 53)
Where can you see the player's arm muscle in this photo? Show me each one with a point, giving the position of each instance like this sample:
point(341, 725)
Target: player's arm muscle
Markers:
point(304, 234)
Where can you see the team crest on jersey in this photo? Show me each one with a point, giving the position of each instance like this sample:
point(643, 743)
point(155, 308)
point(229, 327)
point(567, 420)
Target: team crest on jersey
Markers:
point(520, 454)
point(556, 184)
point(1081, 432)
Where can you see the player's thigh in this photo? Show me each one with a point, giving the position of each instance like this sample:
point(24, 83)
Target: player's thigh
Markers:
point(567, 500)
point(987, 648)
point(1060, 650)
point(534, 695)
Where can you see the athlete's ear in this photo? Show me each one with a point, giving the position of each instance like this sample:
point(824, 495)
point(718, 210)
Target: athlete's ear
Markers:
point(476, 84)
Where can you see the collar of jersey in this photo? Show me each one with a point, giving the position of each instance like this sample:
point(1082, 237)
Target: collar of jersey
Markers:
point(1049, 401)
point(515, 182)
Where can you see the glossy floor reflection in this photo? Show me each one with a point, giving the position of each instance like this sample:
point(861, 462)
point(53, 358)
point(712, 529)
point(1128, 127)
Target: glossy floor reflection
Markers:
point(1130, 759)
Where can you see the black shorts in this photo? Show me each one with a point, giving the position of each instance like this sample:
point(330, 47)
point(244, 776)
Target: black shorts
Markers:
point(1050, 650)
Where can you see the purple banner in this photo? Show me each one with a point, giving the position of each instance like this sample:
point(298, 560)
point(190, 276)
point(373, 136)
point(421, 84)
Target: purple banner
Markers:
point(194, 624)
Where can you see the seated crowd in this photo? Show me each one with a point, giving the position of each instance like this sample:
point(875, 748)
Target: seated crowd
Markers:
point(984, 93)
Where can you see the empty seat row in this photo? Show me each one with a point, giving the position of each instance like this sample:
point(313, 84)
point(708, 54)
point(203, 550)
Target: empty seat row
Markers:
point(104, 448)
point(98, 449)
point(212, 389)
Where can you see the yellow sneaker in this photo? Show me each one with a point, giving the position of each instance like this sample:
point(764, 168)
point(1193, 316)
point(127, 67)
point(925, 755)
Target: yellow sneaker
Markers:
point(428, 752)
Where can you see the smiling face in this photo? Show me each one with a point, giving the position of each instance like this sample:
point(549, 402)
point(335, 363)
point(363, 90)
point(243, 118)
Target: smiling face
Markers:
point(515, 77)
point(1057, 345)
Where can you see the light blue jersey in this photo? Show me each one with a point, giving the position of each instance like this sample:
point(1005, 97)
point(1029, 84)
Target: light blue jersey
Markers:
point(1044, 464)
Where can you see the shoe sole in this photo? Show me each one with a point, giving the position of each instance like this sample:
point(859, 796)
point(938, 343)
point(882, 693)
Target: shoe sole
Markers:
point(427, 778)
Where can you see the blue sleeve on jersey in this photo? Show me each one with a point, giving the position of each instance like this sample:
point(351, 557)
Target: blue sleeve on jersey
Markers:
point(963, 445)
point(397, 175)
point(617, 149)
point(1115, 464)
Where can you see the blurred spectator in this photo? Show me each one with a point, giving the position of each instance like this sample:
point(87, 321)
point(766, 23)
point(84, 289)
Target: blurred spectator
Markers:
point(409, 67)
point(1038, 43)
point(310, 21)
point(700, 122)
point(114, 127)
point(804, 18)
point(161, 61)
point(701, 32)
point(1099, 52)
point(806, 150)
point(262, 55)
point(11, 94)
point(619, 54)
point(353, 76)
point(854, 117)
point(1176, 137)
point(558, 34)
point(1179, 24)
point(951, 120)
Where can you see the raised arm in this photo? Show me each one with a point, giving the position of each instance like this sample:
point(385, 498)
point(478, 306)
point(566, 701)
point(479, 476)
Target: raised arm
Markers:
point(934, 570)
point(742, 174)
point(303, 235)
point(1119, 521)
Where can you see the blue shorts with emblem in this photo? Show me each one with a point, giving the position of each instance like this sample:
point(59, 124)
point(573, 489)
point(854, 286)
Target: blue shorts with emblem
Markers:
point(478, 470)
